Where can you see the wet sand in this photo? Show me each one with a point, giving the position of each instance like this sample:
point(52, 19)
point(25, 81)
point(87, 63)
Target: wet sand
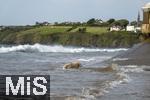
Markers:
point(137, 89)
point(138, 55)
point(139, 86)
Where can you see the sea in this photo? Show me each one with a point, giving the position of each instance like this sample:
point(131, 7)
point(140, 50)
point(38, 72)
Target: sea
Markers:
point(85, 83)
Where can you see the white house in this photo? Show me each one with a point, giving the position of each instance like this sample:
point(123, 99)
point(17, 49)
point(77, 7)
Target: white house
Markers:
point(130, 28)
point(1, 28)
point(137, 29)
point(115, 28)
point(133, 29)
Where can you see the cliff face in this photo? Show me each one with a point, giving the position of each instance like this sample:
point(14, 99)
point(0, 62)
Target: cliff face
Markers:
point(109, 39)
point(67, 35)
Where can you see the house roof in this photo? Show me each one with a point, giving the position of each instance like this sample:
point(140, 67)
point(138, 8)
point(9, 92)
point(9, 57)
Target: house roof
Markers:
point(146, 7)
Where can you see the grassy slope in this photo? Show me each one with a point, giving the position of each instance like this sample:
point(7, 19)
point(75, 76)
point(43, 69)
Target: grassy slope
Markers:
point(93, 30)
point(31, 35)
point(46, 30)
point(95, 36)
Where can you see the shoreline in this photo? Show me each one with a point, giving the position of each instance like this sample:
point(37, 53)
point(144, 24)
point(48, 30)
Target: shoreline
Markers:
point(138, 55)
point(137, 87)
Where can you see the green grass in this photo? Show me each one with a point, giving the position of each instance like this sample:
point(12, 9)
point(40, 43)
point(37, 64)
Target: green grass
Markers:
point(97, 30)
point(93, 30)
point(62, 29)
point(94, 36)
point(46, 30)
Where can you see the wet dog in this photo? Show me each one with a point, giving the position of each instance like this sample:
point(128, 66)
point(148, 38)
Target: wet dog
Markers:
point(72, 65)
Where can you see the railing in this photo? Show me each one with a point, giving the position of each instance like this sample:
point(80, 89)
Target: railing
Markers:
point(145, 28)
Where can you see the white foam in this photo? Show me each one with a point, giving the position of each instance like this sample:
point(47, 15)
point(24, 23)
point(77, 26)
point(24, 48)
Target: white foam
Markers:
point(132, 68)
point(121, 78)
point(86, 60)
point(55, 48)
point(91, 93)
point(120, 59)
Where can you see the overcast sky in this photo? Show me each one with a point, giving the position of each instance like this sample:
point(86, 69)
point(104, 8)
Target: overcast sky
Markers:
point(21, 12)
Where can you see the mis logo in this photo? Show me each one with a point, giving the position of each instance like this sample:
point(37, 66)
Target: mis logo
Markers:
point(32, 87)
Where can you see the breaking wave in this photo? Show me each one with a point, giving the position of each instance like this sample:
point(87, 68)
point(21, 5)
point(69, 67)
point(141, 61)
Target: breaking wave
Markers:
point(55, 48)
point(121, 77)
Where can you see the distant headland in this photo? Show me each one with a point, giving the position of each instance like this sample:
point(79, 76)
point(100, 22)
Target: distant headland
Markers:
point(93, 33)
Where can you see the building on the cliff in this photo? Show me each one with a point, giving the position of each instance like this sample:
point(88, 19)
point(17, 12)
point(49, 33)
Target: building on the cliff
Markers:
point(130, 28)
point(115, 28)
point(2, 27)
point(146, 19)
point(136, 28)
point(139, 22)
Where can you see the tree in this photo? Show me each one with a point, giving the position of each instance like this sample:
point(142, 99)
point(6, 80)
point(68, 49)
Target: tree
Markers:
point(123, 22)
point(110, 21)
point(116, 23)
point(133, 23)
point(91, 21)
point(82, 30)
point(98, 21)
point(37, 23)
point(56, 23)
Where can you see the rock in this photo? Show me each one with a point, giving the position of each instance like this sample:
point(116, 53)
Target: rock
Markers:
point(72, 65)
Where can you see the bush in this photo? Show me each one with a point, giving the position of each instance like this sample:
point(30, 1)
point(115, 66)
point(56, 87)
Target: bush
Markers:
point(82, 30)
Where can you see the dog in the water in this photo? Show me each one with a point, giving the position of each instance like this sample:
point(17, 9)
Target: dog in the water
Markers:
point(72, 65)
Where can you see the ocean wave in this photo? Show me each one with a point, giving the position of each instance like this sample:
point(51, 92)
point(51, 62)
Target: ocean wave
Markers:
point(132, 68)
point(92, 92)
point(54, 48)
point(120, 59)
point(86, 60)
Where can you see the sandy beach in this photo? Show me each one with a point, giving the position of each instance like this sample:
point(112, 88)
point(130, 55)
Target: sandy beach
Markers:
point(138, 88)
point(139, 55)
